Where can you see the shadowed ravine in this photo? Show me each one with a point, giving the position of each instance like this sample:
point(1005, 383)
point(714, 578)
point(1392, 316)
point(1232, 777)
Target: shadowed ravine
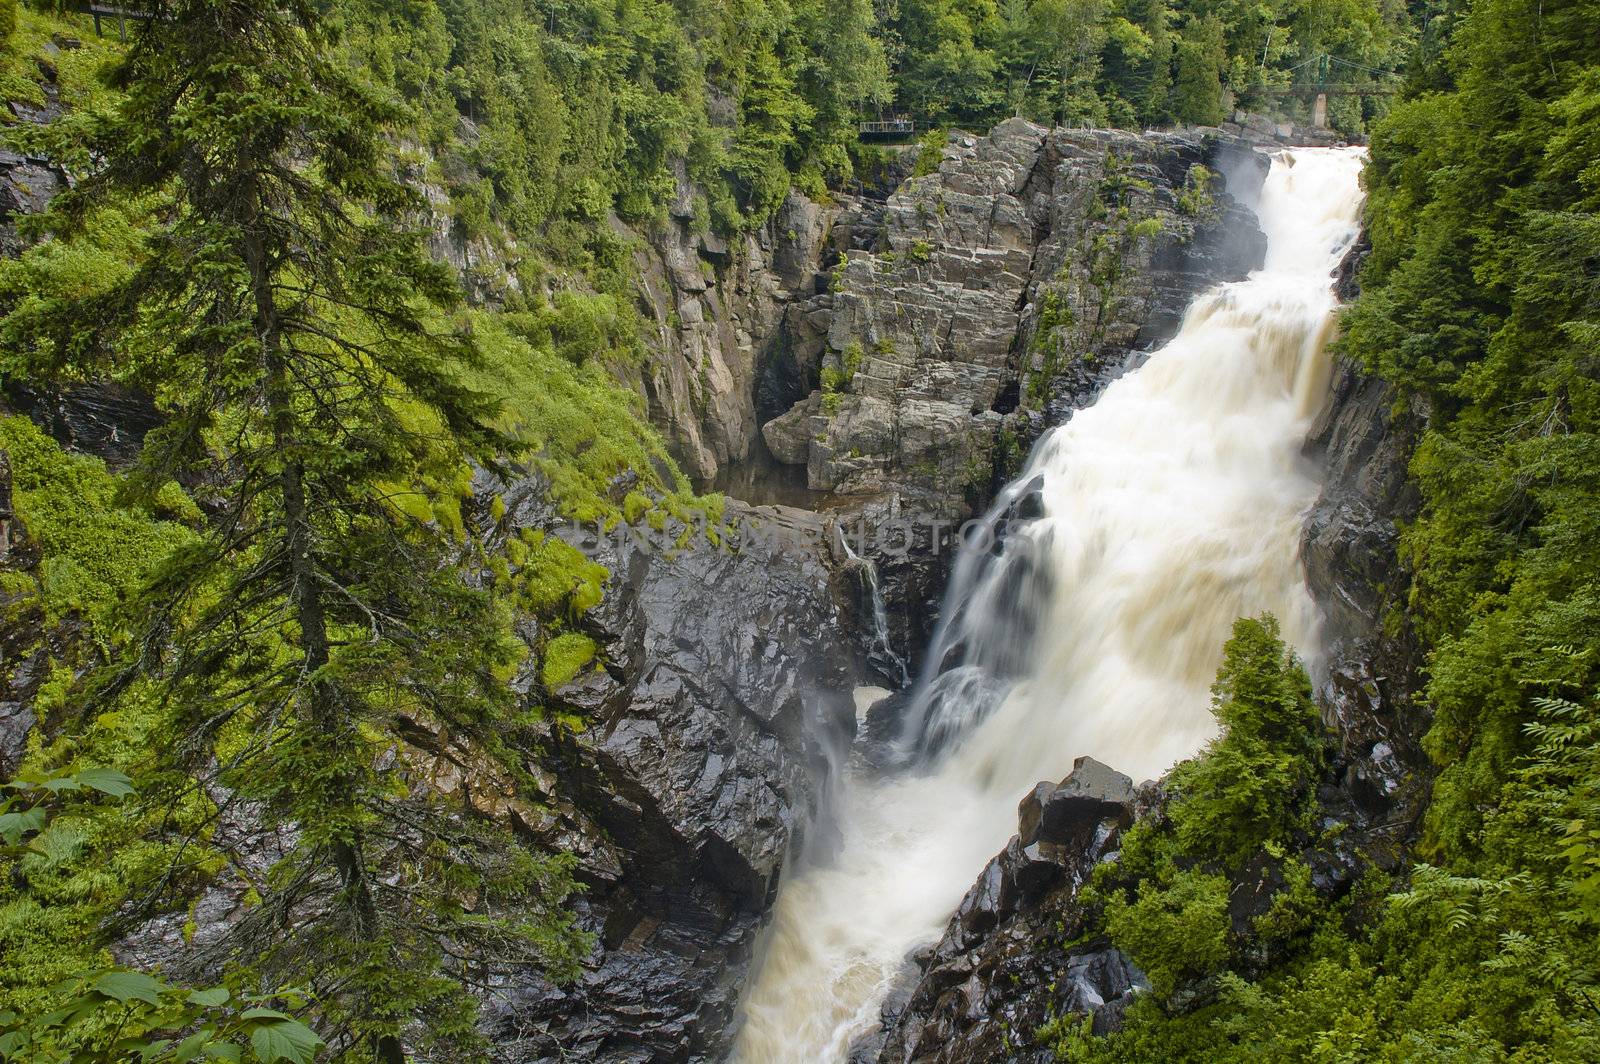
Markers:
point(1171, 507)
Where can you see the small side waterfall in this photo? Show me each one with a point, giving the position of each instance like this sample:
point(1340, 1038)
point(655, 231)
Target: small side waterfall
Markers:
point(1169, 508)
point(883, 653)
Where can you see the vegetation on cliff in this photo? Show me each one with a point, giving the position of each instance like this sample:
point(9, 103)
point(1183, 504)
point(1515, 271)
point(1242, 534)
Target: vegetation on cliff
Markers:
point(1480, 306)
point(280, 616)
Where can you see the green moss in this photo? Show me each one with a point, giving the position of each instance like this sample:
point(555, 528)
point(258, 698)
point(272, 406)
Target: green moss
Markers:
point(565, 656)
point(95, 553)
point(1196, 199)
point(555, 577)
point(578, 425)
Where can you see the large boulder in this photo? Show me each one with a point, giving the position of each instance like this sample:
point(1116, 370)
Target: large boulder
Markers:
point(1010, 958)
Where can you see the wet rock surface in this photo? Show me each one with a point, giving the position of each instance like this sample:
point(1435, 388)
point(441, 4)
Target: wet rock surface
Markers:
point(1010, 959)
point(1369, 678)
point(705, 743)
point(108, 421)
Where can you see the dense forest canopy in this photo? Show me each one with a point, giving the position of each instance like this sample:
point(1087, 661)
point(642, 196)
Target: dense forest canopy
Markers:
point(260, 617)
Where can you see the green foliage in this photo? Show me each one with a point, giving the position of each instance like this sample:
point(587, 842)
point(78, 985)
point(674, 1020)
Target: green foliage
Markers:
point(1135, 63)
point(1251, 790)
point(1254, 784)
point(288, 320)
point(840, 378)
point(565, 656)
point(1197, 80)
point(1174, 930)
point(1196, 199)
point(1481, 302)
point(120, 1014)
point(930, 152)
point(97, 554)
point(576, 424)
point(130, 1016)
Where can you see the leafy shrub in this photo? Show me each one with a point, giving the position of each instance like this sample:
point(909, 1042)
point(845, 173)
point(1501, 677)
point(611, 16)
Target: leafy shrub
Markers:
point(1255, 782)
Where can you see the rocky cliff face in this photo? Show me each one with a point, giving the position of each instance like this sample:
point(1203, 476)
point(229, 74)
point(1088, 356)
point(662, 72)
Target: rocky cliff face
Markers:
point(718, 314)
point(1031, 259)
point(705, 745)
point(986, 301)
point(1369, 676)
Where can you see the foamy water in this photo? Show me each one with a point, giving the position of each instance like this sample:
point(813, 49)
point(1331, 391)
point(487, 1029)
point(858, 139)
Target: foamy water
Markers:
point(1172, 506)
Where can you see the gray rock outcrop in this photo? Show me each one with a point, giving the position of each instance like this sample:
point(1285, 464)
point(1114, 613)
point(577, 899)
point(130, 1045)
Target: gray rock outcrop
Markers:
point(1017, 275)
point(1010, 959)
point(719, 311)
point(704, 748)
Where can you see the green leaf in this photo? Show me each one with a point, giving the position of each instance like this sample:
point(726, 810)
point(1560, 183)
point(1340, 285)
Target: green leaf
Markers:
point(264, 1014)
point(15, 825)
point(225, 1051)
point(192, 1046)
point(106, 781)
point(217, 995)
point(285, 1040)
point(129, 986)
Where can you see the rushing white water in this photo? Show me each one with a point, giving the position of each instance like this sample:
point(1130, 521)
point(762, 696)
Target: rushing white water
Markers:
point(1171, 507)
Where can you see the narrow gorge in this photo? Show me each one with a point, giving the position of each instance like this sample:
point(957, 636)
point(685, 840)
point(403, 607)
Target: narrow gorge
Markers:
point(932, 532)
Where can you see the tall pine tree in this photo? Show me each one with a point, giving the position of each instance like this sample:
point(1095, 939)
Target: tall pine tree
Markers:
point(286, 315)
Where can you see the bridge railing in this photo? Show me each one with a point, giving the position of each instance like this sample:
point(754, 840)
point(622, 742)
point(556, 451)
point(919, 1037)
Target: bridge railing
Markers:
point(889, 126)
point(120, 15)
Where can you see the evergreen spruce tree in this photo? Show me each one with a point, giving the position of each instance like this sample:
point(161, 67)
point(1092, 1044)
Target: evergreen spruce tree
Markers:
point(287, 317)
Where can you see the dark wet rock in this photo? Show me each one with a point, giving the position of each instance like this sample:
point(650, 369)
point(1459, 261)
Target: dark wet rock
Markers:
point(108, 421)
point(1370, 678)
point(1004, 967)
point(724, 699)
point(1066, 816)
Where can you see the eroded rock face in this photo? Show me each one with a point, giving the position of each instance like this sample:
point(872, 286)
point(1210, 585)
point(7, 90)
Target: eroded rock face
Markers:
point(726, 678)
point(1369, 678)
point(1003, 967)
point(1091, 241)
point(721, 310)
point(106, 420)
point(988, 301)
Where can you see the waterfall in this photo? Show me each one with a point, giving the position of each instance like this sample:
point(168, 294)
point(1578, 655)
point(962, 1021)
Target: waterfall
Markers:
point(1170, 507)
point(881, 652)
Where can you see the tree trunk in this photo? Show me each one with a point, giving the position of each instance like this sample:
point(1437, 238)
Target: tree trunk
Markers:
point(320, 699)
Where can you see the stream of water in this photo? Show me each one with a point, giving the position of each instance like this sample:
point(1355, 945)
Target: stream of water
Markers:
point(1171, 507)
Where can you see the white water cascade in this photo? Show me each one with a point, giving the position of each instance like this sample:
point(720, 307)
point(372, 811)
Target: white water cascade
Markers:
point(1171, 507)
